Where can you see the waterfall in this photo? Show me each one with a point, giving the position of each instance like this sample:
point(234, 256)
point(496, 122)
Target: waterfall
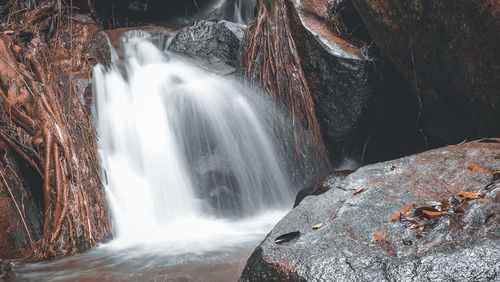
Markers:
point(238, 11)
point(185, 153)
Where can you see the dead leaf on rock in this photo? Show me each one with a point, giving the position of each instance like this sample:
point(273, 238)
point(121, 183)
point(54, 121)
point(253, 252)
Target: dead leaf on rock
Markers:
point(420, 211)
point(469, 195)
point(433, 204)
point(379, 235)
point(358, 191)
point(287, 237)
point(318, 226)
point(474, 167)
point(433, 214)
point(404, 211)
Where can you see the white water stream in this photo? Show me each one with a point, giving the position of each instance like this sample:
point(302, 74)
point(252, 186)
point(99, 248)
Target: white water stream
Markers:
point(188, 162)
point(194, 169)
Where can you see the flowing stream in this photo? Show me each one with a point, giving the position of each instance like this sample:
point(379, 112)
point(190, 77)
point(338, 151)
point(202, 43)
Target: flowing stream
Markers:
point(194, 169)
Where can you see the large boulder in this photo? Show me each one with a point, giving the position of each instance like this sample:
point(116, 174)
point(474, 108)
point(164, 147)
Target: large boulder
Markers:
point(328, 83)
point(448, 52)
point(212, 40)
point(339, 75)
point(365, 234)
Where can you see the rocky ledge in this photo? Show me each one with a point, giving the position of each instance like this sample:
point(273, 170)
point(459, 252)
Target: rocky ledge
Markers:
point(432, 216)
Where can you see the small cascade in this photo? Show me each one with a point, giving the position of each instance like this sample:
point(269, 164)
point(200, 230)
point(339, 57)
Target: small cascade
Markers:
point(180, 146)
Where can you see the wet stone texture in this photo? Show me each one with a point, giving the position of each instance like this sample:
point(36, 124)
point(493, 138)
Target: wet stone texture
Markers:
point(457, 246)
point(211, 40)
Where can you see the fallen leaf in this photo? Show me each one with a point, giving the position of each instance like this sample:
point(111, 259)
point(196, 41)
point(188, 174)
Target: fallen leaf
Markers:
point(433, 214)
point(474, 167)
point(469, 195)
point(287, 237)
point(405, 210)
point(8, 32)
point(358, 191)
point(433, 203)
point(420, 211)
point(379, 235)
point(318, 226)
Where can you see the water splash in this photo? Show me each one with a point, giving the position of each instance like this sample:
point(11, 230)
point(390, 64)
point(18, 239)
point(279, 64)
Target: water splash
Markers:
point(187, 154)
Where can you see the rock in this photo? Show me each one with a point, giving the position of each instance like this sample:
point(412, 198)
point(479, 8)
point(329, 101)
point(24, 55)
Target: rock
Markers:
point(459, 246)
point(342, 79)
point(208, 39)
point(322, 184)
point(448, 52)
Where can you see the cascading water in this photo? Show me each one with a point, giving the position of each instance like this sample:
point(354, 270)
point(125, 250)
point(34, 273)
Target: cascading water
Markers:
point(187, 154)
point(239, 11)
point(196, 168)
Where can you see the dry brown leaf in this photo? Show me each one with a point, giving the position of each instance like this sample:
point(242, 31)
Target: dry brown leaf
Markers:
point(358, 191)
point(432, 214)
point(474, 167)
point(379, 235)
point(469, 195)
point(405, 210)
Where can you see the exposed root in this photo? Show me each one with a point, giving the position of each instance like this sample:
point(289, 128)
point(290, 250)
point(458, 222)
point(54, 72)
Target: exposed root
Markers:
point(39, 123)
point(270, 59)
point(17, 206)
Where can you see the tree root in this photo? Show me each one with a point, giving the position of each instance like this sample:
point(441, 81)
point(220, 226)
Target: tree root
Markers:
point(270, 59)
point(17, 207)
point(35, 122)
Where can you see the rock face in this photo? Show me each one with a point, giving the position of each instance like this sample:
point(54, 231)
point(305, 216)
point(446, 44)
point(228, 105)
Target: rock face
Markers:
point(343, 84)
point(209, 39)
point(361, 239)
point(340, 77)
point(448, 52)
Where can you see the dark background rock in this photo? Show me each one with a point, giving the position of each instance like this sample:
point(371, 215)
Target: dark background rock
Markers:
point(447, 51)
point(208, 39)
point(456, 247)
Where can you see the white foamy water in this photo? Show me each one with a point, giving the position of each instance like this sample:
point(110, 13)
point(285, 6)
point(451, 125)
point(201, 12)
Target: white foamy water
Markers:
point(187, 158)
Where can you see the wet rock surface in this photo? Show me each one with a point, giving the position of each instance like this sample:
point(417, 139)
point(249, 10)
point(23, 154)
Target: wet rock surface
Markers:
point(212, 40)
point(362, 240)
point(322, 184)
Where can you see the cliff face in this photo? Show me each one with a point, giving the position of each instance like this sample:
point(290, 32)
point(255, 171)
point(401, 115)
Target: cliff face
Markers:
point(51, 198)
point(448, 53)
